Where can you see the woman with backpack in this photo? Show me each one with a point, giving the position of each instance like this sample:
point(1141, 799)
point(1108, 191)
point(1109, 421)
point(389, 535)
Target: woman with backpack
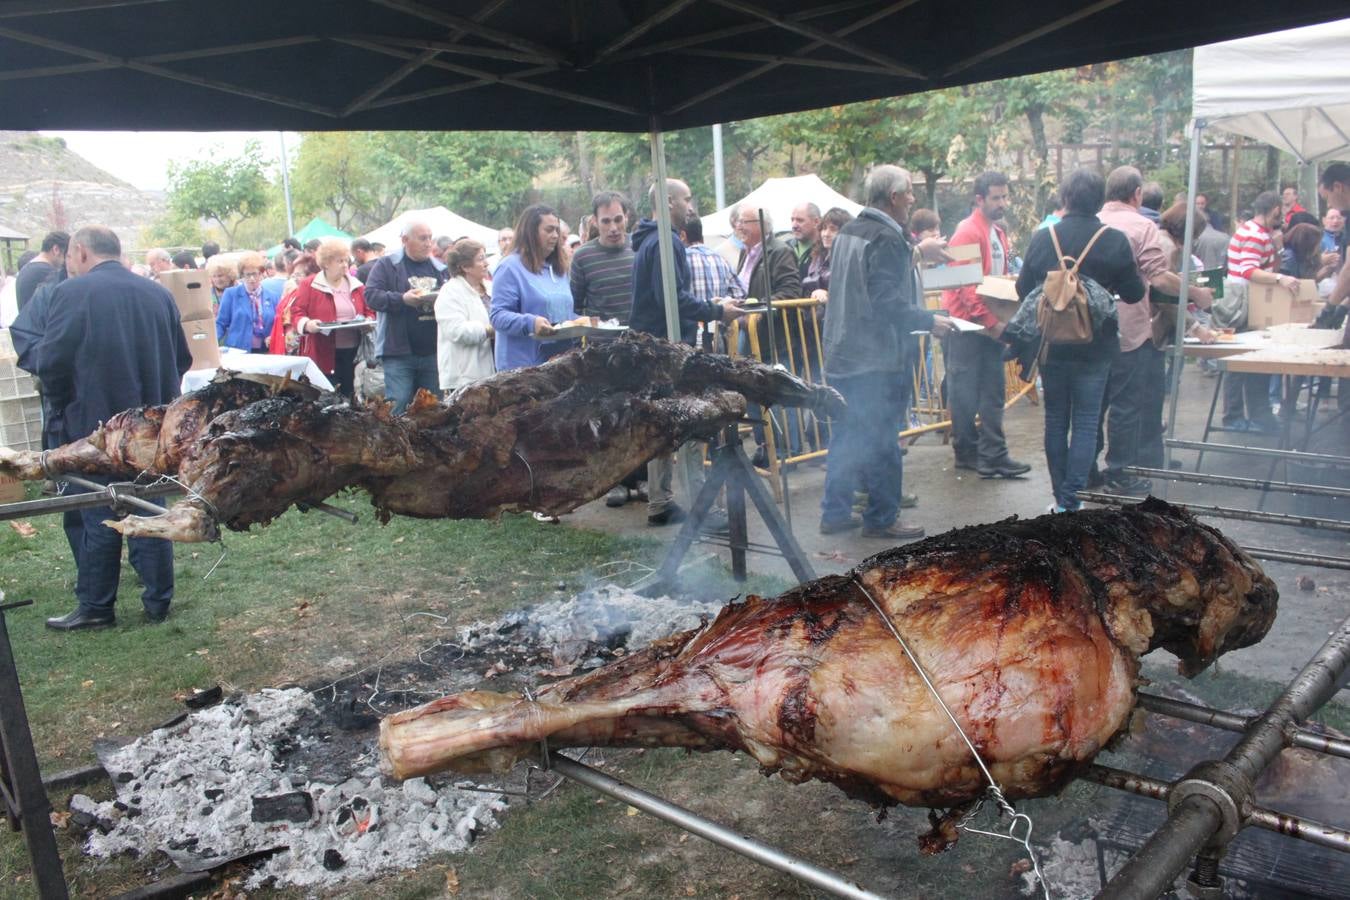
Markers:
point(1073, 375)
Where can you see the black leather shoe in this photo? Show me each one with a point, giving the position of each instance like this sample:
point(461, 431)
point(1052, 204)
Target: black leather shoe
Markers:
point(155, 618)
point(668, 516)
point(1005, 468)
point(836, 527)
point(80, 620)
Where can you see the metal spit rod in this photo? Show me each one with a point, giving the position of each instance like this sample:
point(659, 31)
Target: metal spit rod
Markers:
point(1298, 559)
point(66, 502)
point(114, 492)
point(1268, 819)
point(1191, 712)
point(1256, 484)
point(1193, 822)
point(1228, 512)
point(719, 834)
point(1294, 456)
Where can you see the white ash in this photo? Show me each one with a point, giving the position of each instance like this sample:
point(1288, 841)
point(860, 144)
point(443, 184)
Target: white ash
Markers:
point(605, 616)
point(232, 748)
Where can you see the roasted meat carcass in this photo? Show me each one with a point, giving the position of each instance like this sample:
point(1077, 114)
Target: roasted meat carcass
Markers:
point(1031, 631)
point(548, 438)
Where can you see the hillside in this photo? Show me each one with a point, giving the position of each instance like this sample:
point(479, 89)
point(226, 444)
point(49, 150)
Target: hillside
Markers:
point(44, 185)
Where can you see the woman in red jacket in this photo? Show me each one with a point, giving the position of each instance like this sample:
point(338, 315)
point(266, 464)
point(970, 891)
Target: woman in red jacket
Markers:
point(331, 296)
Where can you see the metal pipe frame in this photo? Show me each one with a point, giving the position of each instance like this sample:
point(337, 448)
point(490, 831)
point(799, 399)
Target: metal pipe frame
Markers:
point(1204, 715)
point(67, 502)
point(772, 857)
point(1228, 512)
point(1267, 819)
point(1294, 456)
point(1209, 802)
point(1300, 559)
point(1257, 484)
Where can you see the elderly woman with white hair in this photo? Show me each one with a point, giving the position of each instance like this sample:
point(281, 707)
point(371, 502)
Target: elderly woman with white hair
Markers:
point(331, 295)
point(464, 331)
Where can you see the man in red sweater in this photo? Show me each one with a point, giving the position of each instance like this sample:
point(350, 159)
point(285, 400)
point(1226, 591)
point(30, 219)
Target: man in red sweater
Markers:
point(975, 375)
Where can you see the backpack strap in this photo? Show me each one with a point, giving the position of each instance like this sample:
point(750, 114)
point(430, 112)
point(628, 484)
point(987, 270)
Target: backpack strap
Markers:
point(1083, 254)
point(1059, 252)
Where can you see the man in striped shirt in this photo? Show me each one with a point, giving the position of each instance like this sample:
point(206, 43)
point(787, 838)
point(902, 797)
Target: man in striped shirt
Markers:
point(602, 269)
point(1254, 258)
point(602, 285)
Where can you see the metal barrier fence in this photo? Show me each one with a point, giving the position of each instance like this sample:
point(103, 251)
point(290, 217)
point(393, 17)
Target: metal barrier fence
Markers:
point(798, 327)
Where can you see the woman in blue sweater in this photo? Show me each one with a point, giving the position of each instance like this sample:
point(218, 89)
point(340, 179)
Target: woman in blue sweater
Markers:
point(531, 292)
point(248, 309)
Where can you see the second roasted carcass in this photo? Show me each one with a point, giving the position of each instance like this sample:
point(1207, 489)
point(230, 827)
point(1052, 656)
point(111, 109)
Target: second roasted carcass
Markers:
point(548, 438)
point(1030, 630)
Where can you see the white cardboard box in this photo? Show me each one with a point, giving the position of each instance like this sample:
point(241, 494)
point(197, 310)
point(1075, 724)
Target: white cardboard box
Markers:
point(968, 268)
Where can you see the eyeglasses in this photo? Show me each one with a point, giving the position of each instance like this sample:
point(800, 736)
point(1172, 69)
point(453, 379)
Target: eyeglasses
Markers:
point(747, 222)
point(253, 274)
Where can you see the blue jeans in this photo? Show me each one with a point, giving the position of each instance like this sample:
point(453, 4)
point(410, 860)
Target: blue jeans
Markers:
point(1073, 404)
point(99, 565)
point(865, 448)
point(403, 375)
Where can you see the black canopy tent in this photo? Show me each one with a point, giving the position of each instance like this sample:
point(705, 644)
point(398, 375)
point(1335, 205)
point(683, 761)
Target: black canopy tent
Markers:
point(550, 64)
point(612, 65)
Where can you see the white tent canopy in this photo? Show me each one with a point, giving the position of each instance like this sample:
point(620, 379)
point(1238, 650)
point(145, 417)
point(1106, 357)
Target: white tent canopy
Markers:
point(1289, 89)
point(443, 223)
point(779, 196)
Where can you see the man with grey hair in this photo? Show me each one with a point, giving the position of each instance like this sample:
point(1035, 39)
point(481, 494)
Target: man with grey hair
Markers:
point(875, 303)
point(402, 289)
point(112, 341)
point(159, 260)
point(805, 233)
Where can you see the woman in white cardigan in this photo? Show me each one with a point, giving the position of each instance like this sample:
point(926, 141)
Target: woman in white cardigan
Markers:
point(464, 333)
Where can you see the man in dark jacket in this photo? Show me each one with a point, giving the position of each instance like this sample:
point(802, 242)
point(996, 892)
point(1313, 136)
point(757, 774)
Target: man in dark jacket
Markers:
point(768, 271)
point(405, 332)
point(113, 341)
point(43, 268)
point(874, 306)
point(649, 315)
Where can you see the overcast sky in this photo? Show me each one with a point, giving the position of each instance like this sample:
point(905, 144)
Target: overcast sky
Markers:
point(142, 157)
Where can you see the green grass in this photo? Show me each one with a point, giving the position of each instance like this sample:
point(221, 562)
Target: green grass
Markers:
point(307, 598)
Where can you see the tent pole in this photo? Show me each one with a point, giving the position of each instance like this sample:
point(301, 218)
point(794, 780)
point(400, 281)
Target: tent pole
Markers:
point(286, 184)
point(719, 172)
point(1179, 349)
point(661, 211)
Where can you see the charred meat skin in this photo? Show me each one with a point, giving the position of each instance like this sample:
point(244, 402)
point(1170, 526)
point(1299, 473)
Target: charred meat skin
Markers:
point(548, 438)
point(1031, 631)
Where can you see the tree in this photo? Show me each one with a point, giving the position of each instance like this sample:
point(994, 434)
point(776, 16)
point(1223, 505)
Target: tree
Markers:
point(224, 190)
point(336, 176)
point(482, 175)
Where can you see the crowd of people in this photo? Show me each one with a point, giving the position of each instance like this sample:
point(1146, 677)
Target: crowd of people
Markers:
point(438, 313)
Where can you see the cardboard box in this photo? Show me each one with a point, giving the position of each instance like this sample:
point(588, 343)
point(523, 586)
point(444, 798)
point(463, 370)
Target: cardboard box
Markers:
point(191, 289)
point(968, 268)
point(201, 340)
point(1271, 304)
point(999, 293)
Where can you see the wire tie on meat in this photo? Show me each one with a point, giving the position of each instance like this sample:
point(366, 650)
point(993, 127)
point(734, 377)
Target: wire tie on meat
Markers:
point(217, 563)
point(543, 740)
point(528, 468)
point(994, 792)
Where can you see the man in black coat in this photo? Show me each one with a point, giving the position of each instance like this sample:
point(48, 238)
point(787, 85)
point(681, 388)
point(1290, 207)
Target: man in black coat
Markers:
point(112, 341)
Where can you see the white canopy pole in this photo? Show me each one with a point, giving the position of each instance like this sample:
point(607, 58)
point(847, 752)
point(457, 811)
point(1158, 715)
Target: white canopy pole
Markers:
point(1179, 351)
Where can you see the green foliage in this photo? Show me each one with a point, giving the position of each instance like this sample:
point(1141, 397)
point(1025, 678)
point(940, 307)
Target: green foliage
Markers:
point(338, 175)
point(482, 175)
point(223, 189)
point(172, 230)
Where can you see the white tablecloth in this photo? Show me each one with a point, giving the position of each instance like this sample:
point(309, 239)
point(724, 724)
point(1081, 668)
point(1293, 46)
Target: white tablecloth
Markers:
point(259, 362)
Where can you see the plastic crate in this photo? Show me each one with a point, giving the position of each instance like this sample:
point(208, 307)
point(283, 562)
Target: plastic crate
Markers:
point(21, 422)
